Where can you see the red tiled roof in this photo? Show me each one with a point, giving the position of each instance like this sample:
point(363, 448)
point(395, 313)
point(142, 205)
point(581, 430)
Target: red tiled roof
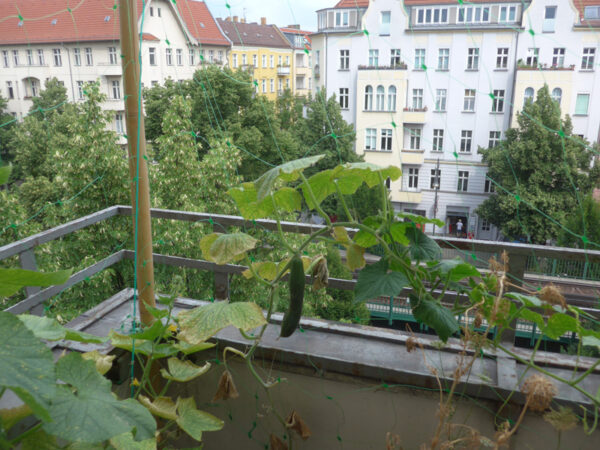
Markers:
point(149, 37)
point(46, 21)
point(455, 2)
point(253, 34)
point(580, 5)
point(297, 31)
point(352, 4)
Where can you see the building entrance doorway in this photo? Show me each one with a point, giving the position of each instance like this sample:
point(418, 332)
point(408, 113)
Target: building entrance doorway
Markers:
point(452, 220)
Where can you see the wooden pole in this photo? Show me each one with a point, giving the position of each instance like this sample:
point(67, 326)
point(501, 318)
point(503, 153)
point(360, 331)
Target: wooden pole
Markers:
point(138, 168)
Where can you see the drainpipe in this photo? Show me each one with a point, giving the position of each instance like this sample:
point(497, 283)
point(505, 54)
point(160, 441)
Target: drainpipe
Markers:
point(70, 71)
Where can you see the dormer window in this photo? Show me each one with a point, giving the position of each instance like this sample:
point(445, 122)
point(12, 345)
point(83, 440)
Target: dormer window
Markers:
point(591, 12)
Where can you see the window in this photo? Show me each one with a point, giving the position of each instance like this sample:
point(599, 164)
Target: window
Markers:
point(473, 59)
point(392, 98)
point(386, 139)
point(373, 58)
point(220, 56)
point(413, 178)
point(488, 187)
point(255, 61)
point(179, 56)
point(154, 83)
point(192, 57)
point(384, 29)
point(32, 87)
point(427, 16)
point(469, 102)
point(235, 61)
point(371, 139)
point(280, 87)
point(420, 59)
point(272, 84)
point(438, 140)
point(88, 57)
point(591, 12)
point(119, 123)
point(152, 55)
point(112, 55)
point(494, 139)
point(77, 57)
point(10, 92)
point(244, 60)
point(463, 181)
point(435, 179)
point(343, 98)
point(443, 58)
point(557, 95)
point(272, 61)
point(440, 100)
point(116, 89)
point(344, 59)
point(57, 57)
point(368, 98)
point(395, 59)
point(549, 19)
point(485, 225)
point(417, 99)
point(264, 61)
point(29, 57)
point(5, 62)
point(169, 56)
point(287, 60)
point(473, 14)
point(16, 57)
point(558, 57)
point(279, 60)
point(80, 90)
point(158, 11)
point(40, 54)
point(415, 138)
point(287, 83)
point(151, 11)
point(529, 93)
point(380, 98)
point(502, 58)
point(587, 61)
point(532, 57)
point(508, 14)
point(264, 86)
point(498, 100)
point(581, 106)
point(466, 137)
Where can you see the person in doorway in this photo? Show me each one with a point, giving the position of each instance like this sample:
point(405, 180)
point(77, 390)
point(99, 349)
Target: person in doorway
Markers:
point(459, 228)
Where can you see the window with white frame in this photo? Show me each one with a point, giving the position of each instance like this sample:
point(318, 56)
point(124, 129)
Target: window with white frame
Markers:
point(57, 57)
point(443, 58)
point(494, 139)
point(469, 101)
point(373, 58)
point(40, 54)
point(429, 16)
point(344, 59)
point(255, 61)
point(386, 139)
point(280, 85)
point(436, 175)
point(119, 125)
point(417, 98)
point(368, 98)
point(508, 14)
point(440, 100)
point(264, 61)
point(587, 60)
point(438, 140)
point(272, 61)
point(29, 53)
point(528, 95)
point(395, 59)
point(485, 225)
point(112, 55)
point(341, 19)
point(463, 181)
point(413, 178)
point(211, 56)
point(473, 14)
point(279, 60)
point(558, 57)
point(116, 89)
point(591, 12)
point(152, 56)
point(532, 58)
point(80, 90)
point(371, 139)
point(498, 100)
point(415, 138)
point(169, 56)
point(392, 98)
point(272, 84)
point(549, 19)
point(473, 59)
point(77, 57)
point(16, 57)
point(264, 86)
point(502, 58)
point(466, 138)
point(557, 95)
point(581, 104)
point(380, 98)
point(5, 61)
point(151, 11)
point(10, 92)
point(32, 87)
point(179, 56)
point(235, 60)
point(89, 60)
point(244, 59)
point(488, 186)
point(287, 60)
point(192, 56)
point(344, 97)
point(287, 83)
point(159, 12)
point(384, 27)
point(420, 59)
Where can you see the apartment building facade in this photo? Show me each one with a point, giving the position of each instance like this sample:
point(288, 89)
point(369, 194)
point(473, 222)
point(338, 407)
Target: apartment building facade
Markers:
point(263, 51)
point(302, 67)
point(82, 45)
point(428, 82)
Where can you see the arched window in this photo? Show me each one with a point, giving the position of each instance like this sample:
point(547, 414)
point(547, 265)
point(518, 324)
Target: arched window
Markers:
point(529, 93)
point(380, 98)
point(32, 87)
point(392, 98)
point(557, 95)
point(368, 98)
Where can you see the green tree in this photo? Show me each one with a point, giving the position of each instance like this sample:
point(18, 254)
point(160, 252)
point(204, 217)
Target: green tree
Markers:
point(7, 123)
point(542, 171)
point(585, 223)
point(51, 99)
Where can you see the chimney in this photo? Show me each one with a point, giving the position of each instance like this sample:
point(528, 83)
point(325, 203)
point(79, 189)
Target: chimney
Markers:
point(235, 18)
point(263, 20)
point(243, 20)
point(228, 19)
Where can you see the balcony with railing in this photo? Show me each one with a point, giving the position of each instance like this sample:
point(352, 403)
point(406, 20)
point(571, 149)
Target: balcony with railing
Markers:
point(283, 70)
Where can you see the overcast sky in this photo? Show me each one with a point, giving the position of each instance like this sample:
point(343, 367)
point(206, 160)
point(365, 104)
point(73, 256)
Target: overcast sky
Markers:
point(279, 12)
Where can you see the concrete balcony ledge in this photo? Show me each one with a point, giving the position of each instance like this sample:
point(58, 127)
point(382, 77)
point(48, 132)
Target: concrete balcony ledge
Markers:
point(408, 196)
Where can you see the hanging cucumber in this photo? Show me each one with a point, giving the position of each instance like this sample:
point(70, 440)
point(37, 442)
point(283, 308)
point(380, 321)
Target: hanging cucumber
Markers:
point(291, 319)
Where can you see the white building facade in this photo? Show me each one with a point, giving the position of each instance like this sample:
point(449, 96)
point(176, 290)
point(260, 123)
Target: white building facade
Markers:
point(427, 83)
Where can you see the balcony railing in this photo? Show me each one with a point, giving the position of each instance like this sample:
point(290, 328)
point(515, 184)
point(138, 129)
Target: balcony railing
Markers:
point(283, 70)
point(401, 66)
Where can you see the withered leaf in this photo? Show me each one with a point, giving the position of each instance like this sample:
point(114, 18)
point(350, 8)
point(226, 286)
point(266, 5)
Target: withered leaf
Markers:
point(277, 444)
point(320, 274)
point(295, 422)
point(226, 388)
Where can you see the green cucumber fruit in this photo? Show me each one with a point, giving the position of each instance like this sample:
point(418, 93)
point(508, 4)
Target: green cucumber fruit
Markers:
point(291, 319)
